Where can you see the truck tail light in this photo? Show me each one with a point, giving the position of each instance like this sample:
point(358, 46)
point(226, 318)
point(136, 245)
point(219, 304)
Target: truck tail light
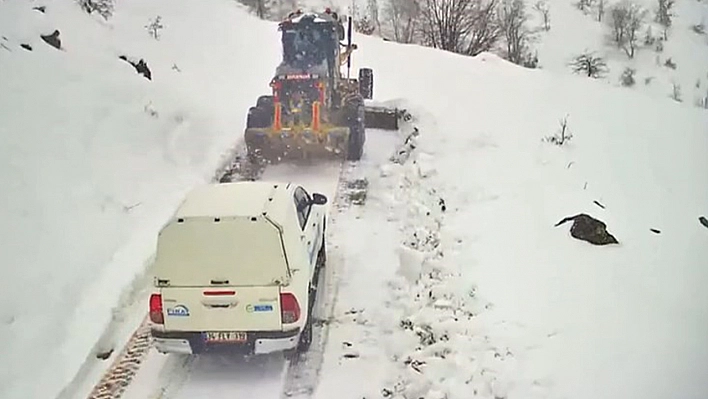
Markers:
point(156, 309)
point(289, 308)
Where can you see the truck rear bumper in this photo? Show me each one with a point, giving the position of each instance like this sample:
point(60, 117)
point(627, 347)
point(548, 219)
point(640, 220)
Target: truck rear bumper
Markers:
point(192, 342)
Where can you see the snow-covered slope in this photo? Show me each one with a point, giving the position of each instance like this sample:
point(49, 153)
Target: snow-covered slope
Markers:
point(94, 158)
point(550, 316)
point(573, 32)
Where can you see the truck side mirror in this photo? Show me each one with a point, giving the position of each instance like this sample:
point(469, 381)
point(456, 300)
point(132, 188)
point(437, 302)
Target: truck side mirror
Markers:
point(319, 199)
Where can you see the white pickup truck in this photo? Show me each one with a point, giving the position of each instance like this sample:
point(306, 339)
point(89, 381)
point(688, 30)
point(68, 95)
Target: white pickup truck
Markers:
point(237, 268)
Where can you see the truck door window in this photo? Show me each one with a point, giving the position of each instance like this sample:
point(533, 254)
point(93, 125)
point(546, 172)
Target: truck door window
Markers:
point(302, 205)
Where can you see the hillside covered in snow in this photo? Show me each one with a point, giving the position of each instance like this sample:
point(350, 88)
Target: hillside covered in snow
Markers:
point(658, 47)
point(467, 284)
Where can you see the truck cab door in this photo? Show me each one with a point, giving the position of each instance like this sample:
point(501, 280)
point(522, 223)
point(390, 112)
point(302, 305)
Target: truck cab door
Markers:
point(309, 225)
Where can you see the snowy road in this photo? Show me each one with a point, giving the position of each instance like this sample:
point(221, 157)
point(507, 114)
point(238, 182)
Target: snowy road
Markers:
point(273, 376)
point(177, 377)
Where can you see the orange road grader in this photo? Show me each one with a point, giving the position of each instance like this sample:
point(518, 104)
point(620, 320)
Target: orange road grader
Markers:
point(315, 109)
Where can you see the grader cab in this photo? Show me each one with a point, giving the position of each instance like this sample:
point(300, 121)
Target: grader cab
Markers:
point(315, 109)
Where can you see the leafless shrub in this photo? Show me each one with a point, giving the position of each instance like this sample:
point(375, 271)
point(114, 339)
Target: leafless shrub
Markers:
point(104, 8)
point(364, 25)
point(562, 136)
point(627, 77)
point(590, 65)
point(702, 101)
point(154, 27)
point(669, 63)
point(676, 92)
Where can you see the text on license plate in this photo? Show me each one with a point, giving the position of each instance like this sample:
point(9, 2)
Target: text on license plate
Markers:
point(225, 336)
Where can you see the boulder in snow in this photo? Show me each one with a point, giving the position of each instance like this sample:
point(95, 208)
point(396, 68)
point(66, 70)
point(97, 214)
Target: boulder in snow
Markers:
point(140, 66)
point(53, 39)
point(589, 229)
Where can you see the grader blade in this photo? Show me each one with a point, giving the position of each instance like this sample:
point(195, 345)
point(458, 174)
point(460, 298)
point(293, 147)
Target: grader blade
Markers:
point(382, 118)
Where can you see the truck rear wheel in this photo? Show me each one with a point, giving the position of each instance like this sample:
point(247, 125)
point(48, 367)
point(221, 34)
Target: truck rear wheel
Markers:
point(305, 337)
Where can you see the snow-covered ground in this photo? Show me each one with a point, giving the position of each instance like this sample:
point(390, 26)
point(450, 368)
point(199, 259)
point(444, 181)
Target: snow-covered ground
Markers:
point(452, 278)
point(94, 158)
point(551, 316)
point(573, 32)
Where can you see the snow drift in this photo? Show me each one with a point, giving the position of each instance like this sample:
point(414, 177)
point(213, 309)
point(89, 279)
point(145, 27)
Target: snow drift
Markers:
point(491, 298)
point(95, 158)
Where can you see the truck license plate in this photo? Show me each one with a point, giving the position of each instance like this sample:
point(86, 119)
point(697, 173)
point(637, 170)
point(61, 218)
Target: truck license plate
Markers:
point(225, 336)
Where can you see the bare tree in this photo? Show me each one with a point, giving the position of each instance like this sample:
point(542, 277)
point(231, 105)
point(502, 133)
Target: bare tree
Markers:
point(462, 26)
point(484, 30)
point(626, 19)
point(260, 7)
point(446, 23)
point(542, 7)
point(403, 16)
point(512, 20)
point(372, 9)
point(584, 5)
point(664, 15)
point(600, 10)
point(589, 64)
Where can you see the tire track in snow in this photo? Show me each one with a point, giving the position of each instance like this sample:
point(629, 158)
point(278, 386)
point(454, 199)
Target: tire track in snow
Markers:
point(300, 375)
point(125, 366)
point(303, 374)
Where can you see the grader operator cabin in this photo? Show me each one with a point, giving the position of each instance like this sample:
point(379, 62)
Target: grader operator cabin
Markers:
point(315, 108)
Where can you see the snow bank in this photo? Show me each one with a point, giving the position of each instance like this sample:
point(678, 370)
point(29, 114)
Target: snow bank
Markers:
point(95, 158)
point(487, 296)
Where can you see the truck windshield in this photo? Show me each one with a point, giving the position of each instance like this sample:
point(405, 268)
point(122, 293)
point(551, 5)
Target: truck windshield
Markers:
point(304, 47)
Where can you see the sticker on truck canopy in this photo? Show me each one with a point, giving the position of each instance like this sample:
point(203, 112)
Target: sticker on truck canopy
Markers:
point(250, 308)
point(178, 311)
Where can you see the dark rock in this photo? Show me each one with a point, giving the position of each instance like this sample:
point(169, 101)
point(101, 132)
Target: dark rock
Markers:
point(703, 221)
point(105, 354)
point(41, 9)
point(599, 204)
point(26, 46)
point(141, 67)
point(587, 228)
point(656, 231)
point(52, 40)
